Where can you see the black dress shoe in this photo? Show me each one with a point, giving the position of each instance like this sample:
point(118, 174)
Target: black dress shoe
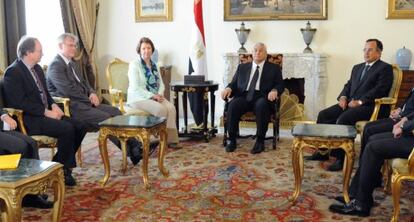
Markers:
point(317, 156)
point(341, 199)
point(336, 166)
point(36, 201)
point(69, 180)
point(231, 147)
point(352, 208)
point(257, 148)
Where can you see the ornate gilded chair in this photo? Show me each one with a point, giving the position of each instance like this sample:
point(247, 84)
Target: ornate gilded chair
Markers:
point(402, 169)
point(117, 76)
point(390, 100)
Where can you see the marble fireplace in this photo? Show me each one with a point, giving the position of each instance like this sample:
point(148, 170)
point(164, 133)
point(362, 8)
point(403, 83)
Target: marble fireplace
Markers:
point(309, 66)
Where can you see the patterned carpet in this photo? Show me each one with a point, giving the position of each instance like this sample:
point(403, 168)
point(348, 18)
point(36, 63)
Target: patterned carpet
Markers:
point(208, 184)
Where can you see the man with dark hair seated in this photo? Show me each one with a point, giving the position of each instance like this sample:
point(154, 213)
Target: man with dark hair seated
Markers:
point(381, 146)
point(12, 142)
point(369, 80)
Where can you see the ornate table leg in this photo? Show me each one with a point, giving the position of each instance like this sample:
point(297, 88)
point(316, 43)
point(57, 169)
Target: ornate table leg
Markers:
point(13, 206)
point(297, 163)
point(124, 154)
point(348, 164)
point(161, 153)
point(212, 104)
point(145, 146)
point(205, 115)
point(59, 192)
point(184, 97)
point(104, 154)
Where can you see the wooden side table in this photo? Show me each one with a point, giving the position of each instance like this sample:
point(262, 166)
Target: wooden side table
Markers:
point(322, 136)
point(205, 88)
point(31, 177)
point(406, 85)
point(140, 128)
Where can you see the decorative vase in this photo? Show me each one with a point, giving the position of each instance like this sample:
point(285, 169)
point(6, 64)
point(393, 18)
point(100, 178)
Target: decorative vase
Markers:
point(242, 34)
point(307, 34)
point(404, 58)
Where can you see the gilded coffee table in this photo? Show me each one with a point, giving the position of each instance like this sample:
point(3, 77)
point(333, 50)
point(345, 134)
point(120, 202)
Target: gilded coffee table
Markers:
point(328, 136)
point(140, 128)
point(31, 177)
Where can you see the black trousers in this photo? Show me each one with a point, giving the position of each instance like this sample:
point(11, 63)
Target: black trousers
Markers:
point(375, 127)
point(238, 106)
point(336, 115)
point(380, 147)
point(12, 142)
point(69, 133)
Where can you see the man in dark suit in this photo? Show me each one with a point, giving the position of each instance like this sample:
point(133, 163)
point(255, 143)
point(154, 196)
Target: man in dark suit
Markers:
point(25, 89)
point(381, 146)
point(255, 87)
point(369, 80)
point(64, 79)
point(12, 142)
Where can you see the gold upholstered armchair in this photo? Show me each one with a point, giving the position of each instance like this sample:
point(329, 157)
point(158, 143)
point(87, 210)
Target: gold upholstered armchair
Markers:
point(117, 76)
point(402, 169)
point(391, 100)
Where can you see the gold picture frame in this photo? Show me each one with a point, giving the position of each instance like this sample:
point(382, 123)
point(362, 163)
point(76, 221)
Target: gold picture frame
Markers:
point(400, 9)
point(248, 10)
point(153, 10)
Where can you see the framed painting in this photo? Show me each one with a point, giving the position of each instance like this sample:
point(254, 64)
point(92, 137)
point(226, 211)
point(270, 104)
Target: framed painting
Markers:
point(400, 9)
point(243, 10)
point(153, 10)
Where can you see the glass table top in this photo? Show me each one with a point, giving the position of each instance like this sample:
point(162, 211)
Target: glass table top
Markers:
point(27, 168)
point(324, 130)
point(133, 121)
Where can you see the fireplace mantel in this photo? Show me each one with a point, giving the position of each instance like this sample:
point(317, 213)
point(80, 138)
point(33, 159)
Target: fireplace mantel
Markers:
point(310, 66)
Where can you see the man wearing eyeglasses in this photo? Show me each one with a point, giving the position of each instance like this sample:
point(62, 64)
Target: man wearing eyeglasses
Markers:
point(64, 79)
point(369, 80)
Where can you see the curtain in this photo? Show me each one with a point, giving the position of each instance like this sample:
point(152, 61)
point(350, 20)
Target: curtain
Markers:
point(15, 26)
point(79, 18)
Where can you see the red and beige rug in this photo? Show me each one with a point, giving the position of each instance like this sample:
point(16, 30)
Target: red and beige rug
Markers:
point(208, 184)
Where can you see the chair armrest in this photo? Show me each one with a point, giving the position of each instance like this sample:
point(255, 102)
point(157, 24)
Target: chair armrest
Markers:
point(382, 101)
point(18, 113)
point(411, 162)
point(65, 102)
point(117, 95)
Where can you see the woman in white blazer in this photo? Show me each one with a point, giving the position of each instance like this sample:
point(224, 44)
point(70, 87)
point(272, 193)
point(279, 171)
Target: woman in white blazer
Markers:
point(146, 89)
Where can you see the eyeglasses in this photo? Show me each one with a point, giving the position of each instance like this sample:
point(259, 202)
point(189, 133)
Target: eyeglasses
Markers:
point(369, 49)
point(71, 45)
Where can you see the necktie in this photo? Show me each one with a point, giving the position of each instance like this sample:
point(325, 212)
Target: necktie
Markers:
point(40, 87)
point(252, 86)
point(72, 67)
point(364, 71)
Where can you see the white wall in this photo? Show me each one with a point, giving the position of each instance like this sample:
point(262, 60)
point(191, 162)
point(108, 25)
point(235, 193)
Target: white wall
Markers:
point(342, 36)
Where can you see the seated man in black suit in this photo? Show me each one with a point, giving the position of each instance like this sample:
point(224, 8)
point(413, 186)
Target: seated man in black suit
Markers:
point(369, 80)
point(12, 142)
point(64, 79)
point(25, 89)
point(381, 146)
point(255, 87)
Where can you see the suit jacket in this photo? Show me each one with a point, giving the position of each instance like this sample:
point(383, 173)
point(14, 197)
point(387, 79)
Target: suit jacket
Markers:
point(61, 81)
point(408, 106)
point(376, 83)
point(21, 92)
point(270, 79)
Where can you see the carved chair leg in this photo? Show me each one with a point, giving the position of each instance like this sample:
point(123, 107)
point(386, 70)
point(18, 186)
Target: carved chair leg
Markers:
point(396, 188)
point(79, 156)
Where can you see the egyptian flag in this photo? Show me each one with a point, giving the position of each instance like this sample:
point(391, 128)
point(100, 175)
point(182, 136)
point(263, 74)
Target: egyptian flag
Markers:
point(198, 60)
